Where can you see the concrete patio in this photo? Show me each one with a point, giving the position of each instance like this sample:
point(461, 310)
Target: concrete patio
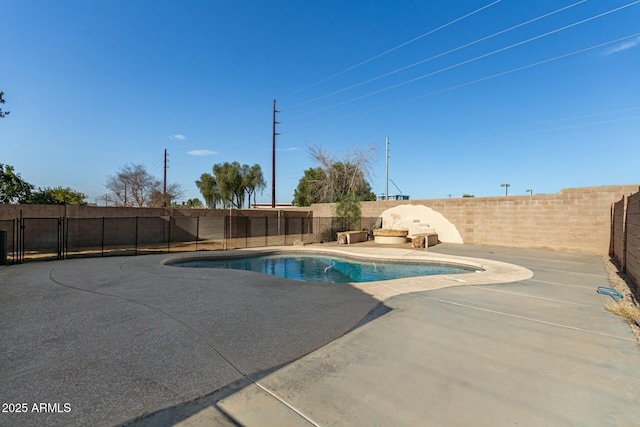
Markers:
point(130, 341)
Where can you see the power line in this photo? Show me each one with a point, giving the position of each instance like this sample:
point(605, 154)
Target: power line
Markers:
point(467, 61)
point(605, 113)
point(602, 122)
point(438, 55)
point(507, 72)
point(396, 48)
point(451, 88)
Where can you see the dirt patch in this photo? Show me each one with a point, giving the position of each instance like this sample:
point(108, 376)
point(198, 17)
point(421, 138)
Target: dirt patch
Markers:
point(625, 286)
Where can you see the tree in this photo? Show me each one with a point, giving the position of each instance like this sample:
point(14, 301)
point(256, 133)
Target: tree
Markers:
point(230, 183)
point(347, 180)
point(194, 203)
point(132, 185)
point(468, 195)
point(348, 208)
point(253, 181)
point(2, 101)
point(336, 177)
point(209, 189)
point(57, 196)
point(13, 189)
point(229, 178)
point(342, 180)
point(307, 191)
point(157, 198)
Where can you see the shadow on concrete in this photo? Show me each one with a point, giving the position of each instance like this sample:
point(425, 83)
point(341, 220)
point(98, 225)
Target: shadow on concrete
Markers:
point(128, 338)
point(175, 414)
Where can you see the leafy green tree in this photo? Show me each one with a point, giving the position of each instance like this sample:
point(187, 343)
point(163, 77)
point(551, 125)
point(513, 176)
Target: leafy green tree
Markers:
point(253, 181)
point(209, 189)
point(2, 101)
point(57, 196)
point(468, 195)
point(230, 183)
point(348, 208)
point(13, 189)
point(307, 191)
point(194, 203)
point(229, 179)
point(189, 204)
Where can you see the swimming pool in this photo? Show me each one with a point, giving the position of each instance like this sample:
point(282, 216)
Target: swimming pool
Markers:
point(322, 268)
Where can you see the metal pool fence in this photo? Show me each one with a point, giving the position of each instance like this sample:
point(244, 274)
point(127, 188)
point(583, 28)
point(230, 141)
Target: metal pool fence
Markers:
point(64, 238)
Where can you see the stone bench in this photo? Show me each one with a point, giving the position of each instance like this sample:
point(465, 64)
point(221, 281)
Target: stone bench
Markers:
point(430, 238)
point(349, 237)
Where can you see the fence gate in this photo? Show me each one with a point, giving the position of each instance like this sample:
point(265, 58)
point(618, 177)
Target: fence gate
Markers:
point(39, 238)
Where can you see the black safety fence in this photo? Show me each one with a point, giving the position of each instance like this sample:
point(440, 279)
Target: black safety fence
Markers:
point(8, 240)
point(63, 238)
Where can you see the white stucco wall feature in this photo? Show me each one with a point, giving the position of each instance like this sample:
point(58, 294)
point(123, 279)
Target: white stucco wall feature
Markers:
point(420, 219)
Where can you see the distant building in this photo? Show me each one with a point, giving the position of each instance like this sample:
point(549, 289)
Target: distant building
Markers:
point(392, 197)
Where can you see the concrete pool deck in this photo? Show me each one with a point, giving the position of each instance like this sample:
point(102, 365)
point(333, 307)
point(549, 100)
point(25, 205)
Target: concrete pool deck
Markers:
point(117, 338)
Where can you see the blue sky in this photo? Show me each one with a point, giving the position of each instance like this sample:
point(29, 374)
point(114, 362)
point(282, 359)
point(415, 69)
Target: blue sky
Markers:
point(467, 105)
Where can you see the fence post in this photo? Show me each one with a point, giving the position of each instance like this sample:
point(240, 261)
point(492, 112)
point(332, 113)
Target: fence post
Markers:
point(136, 250)
point(197, 231)
point(102, 239)
point(22, 233)
point(65, 249)
point(169, 237)
point(3, 247)
point(61, 238)
point(15, 241)
point(224, 233)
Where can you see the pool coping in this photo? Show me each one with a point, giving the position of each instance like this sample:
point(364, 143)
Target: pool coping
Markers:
point(493, 272)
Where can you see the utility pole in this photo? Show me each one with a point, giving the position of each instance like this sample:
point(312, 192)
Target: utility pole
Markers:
point(386, 186)
point(273, 159)
point(165, 178)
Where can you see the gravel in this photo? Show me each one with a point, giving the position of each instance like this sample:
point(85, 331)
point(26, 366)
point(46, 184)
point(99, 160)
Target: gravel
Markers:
point(624, 285)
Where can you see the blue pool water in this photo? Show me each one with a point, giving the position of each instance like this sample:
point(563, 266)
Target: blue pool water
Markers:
point(329, 269)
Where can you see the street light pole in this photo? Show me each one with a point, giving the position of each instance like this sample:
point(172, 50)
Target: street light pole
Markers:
point(506, 188)
point(530, 191)
point(386, 185)
point(273, 157)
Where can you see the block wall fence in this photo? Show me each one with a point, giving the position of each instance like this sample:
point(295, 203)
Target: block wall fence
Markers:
point(575, 219)
point(598, 220)
point(625, 241)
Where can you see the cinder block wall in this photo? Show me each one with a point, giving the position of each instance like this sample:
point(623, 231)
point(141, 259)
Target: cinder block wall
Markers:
point(575, 219)
point(618, 238)
point(633, 238)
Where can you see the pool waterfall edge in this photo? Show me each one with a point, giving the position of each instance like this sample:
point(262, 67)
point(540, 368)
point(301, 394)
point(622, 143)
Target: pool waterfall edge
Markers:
point(493, 272)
